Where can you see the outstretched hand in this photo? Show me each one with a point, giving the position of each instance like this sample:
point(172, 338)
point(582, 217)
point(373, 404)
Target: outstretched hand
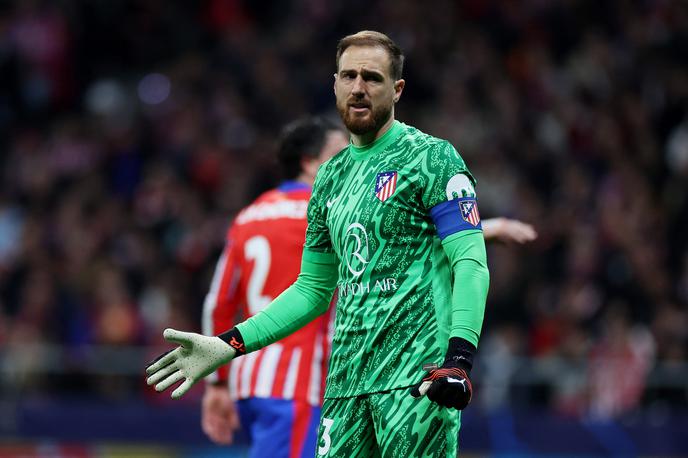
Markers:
point(507, 230)
point(195, 357)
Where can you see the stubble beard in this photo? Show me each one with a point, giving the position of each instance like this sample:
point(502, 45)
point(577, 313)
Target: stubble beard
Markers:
point(362, 126)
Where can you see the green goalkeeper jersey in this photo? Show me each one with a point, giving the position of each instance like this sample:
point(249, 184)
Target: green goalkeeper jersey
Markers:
point(371, 207)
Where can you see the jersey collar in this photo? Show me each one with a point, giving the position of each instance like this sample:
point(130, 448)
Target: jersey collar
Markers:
point(364, 152)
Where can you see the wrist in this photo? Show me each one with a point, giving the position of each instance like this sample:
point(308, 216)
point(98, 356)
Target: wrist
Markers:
point(234, 339)
point(460, 354)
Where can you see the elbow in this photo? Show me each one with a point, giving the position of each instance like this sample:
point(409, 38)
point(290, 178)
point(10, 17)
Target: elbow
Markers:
point(481, 275)
point(486, 278)
point(318, 298)
point(322, 306)
point(485, 272)
point(321, 300)
point(477, 264)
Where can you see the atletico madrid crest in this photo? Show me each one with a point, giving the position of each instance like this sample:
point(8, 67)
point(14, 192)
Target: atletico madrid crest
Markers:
point(385, 185)
point(469, 211)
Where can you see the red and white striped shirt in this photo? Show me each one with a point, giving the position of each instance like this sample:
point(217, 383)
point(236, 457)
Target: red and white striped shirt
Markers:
point(262, 257)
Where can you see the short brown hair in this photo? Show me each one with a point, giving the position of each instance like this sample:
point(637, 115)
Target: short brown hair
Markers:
point(372, 38)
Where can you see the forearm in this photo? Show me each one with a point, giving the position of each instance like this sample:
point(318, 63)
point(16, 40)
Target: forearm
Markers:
point(306, 299)
point(450, 385)
point(466, 253)
point(289, 312)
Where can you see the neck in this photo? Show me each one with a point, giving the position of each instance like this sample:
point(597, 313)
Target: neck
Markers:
point(370, 137)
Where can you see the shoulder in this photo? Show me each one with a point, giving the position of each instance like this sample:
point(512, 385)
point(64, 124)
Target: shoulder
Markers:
point(275, 204)
point(424, 142)
point(247, 213)
point(267, 196)
point(287, 191)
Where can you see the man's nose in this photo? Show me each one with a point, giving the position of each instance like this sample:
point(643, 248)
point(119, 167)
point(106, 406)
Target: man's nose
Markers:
point(358, 89)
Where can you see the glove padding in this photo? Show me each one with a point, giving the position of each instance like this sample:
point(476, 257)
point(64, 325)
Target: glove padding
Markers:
point(448, 386)
point(196, 357)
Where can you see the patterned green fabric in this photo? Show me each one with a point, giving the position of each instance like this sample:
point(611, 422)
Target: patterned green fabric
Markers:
point(394, 285)
point(387, 425)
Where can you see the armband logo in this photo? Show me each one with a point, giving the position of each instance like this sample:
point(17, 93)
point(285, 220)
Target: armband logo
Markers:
point(469, 211)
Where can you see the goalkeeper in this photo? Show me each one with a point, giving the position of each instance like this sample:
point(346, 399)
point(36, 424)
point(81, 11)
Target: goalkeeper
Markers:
point(393, 223)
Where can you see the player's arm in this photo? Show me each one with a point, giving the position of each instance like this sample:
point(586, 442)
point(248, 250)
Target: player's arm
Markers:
point(310, 296)
point(507, 230)
point(199, 355)
point(450, 384)
point(466, 253)
point(303, 301)
point(452, 203)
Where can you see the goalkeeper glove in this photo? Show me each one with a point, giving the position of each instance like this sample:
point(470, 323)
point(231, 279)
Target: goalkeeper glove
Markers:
point(196, 357)
point(450, 385)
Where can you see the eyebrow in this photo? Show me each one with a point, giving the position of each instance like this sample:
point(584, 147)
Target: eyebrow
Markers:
point(365, 73)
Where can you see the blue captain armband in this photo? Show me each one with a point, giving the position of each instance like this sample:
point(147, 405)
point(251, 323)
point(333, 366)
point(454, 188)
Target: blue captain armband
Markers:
point(456, 215)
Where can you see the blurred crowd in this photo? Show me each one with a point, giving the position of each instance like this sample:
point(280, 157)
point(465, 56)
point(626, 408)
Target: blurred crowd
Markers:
point(132, 132)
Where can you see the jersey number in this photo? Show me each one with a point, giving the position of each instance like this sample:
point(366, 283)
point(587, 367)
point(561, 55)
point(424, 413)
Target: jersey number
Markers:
point(327, 424)
point(257, 249)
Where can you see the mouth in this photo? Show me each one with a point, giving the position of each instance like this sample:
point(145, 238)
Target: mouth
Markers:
point(359, 107)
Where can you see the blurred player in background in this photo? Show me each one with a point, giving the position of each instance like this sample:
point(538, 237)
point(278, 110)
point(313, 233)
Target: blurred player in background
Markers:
point(279, 388)
point(406, 296)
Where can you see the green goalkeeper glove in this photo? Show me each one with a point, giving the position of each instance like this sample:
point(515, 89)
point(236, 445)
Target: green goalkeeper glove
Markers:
point(196, 357)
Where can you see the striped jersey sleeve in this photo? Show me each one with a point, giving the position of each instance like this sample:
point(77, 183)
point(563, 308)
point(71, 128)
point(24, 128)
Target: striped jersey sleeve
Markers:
point(262, 258)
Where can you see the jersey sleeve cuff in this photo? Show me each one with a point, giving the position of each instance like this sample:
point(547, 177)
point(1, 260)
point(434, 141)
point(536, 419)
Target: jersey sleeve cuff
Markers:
point(234, 339)
point(319, 257)
point(460, 353)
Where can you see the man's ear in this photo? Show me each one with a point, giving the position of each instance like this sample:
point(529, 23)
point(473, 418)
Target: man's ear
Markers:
point(398, 89)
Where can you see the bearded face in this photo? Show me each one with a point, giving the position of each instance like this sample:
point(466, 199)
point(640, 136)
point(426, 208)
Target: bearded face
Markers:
point(360, 116)
point(365, 90)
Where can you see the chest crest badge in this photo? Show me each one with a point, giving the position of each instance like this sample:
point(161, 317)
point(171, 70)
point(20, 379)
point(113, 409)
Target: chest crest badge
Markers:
point(385, 185)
